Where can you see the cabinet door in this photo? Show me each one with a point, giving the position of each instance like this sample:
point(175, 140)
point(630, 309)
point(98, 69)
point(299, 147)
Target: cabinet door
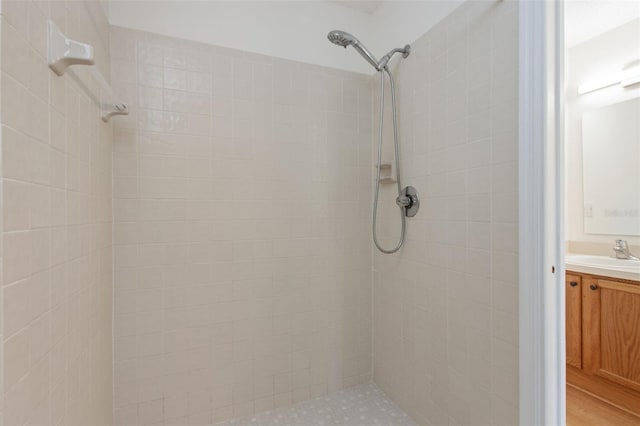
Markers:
point(611, 330)
point(573, 319)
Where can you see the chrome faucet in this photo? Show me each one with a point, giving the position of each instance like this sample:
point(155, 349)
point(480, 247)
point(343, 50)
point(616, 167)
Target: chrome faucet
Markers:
point(622, 251)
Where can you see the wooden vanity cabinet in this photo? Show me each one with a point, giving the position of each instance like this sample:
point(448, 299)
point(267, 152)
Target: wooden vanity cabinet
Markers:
point(603, 337)
point(611, 325)
point(573, 319)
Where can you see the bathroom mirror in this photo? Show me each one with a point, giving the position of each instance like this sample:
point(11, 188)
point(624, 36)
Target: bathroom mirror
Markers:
point(611, 169)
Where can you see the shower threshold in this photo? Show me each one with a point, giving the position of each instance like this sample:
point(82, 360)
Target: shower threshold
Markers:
point(362, 405)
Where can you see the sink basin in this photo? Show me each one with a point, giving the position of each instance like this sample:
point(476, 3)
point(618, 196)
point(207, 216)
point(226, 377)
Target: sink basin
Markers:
point(604, 262)
point(604, 265)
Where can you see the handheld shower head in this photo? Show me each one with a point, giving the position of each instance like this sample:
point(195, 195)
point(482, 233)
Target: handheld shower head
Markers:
point(345, 39)
point(341, 38)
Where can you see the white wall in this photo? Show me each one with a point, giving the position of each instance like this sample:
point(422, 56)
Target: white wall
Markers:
point(289, 30)
point(585, 20)
point(294, 30)
point(222, 311)
point(597, 57)
point(396, 23)
point(56, 199)
point(446, 304)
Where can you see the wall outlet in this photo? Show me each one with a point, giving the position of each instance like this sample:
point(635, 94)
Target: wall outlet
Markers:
point(588, 210)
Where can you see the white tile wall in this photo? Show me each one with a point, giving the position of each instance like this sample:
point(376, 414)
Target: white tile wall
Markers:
point(242, 248)
point(56, 281)
point(445, 322)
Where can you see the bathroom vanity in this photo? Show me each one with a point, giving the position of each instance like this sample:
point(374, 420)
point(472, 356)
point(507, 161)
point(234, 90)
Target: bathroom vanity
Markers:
point(603, 329)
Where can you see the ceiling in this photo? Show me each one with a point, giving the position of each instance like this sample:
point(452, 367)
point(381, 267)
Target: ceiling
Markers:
point(366, 6)
point(585, 19)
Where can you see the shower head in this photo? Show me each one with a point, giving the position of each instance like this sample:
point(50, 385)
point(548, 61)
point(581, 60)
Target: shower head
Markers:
point(345, 39)
point(341, 38)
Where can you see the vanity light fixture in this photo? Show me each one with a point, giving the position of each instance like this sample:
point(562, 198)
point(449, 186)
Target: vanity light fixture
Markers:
point(624, 78)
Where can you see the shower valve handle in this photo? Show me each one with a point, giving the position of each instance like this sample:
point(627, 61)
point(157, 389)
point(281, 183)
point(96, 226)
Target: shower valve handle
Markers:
point(404, 201)
point(408, 201)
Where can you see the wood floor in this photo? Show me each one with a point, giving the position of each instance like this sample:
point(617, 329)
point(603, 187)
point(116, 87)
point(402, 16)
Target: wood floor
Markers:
point(586, 410)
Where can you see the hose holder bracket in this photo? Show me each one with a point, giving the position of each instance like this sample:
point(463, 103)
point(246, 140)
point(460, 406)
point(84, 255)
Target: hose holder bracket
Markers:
point(409, 201)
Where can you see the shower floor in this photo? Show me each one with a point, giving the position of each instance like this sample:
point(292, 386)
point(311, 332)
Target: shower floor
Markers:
point(362, 405)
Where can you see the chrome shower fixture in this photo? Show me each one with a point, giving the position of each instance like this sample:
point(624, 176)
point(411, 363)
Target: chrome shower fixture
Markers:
point(407, 199)
point(344, 39)
point(406, 50)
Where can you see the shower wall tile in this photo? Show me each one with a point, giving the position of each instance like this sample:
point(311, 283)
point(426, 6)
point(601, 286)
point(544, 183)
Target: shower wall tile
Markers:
point(446, 305)
point(242, 260)
point(56, 275)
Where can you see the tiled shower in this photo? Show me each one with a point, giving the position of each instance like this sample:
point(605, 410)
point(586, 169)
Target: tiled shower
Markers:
point(208, 257)
point(242, 263)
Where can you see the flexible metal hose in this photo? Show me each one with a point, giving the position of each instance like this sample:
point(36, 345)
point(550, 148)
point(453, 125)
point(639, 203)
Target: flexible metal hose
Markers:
point(379, 166)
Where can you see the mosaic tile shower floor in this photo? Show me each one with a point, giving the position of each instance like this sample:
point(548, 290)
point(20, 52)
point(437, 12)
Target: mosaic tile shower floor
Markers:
point(362, 405)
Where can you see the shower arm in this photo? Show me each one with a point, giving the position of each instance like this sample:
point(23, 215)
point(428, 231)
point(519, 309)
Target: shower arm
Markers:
point(382, 64)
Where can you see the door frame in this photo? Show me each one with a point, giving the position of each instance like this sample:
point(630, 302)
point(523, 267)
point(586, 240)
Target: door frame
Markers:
point(541, 213)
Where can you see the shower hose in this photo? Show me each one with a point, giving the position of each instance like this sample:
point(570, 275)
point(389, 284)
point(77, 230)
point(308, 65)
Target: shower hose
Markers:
point(379, 165)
